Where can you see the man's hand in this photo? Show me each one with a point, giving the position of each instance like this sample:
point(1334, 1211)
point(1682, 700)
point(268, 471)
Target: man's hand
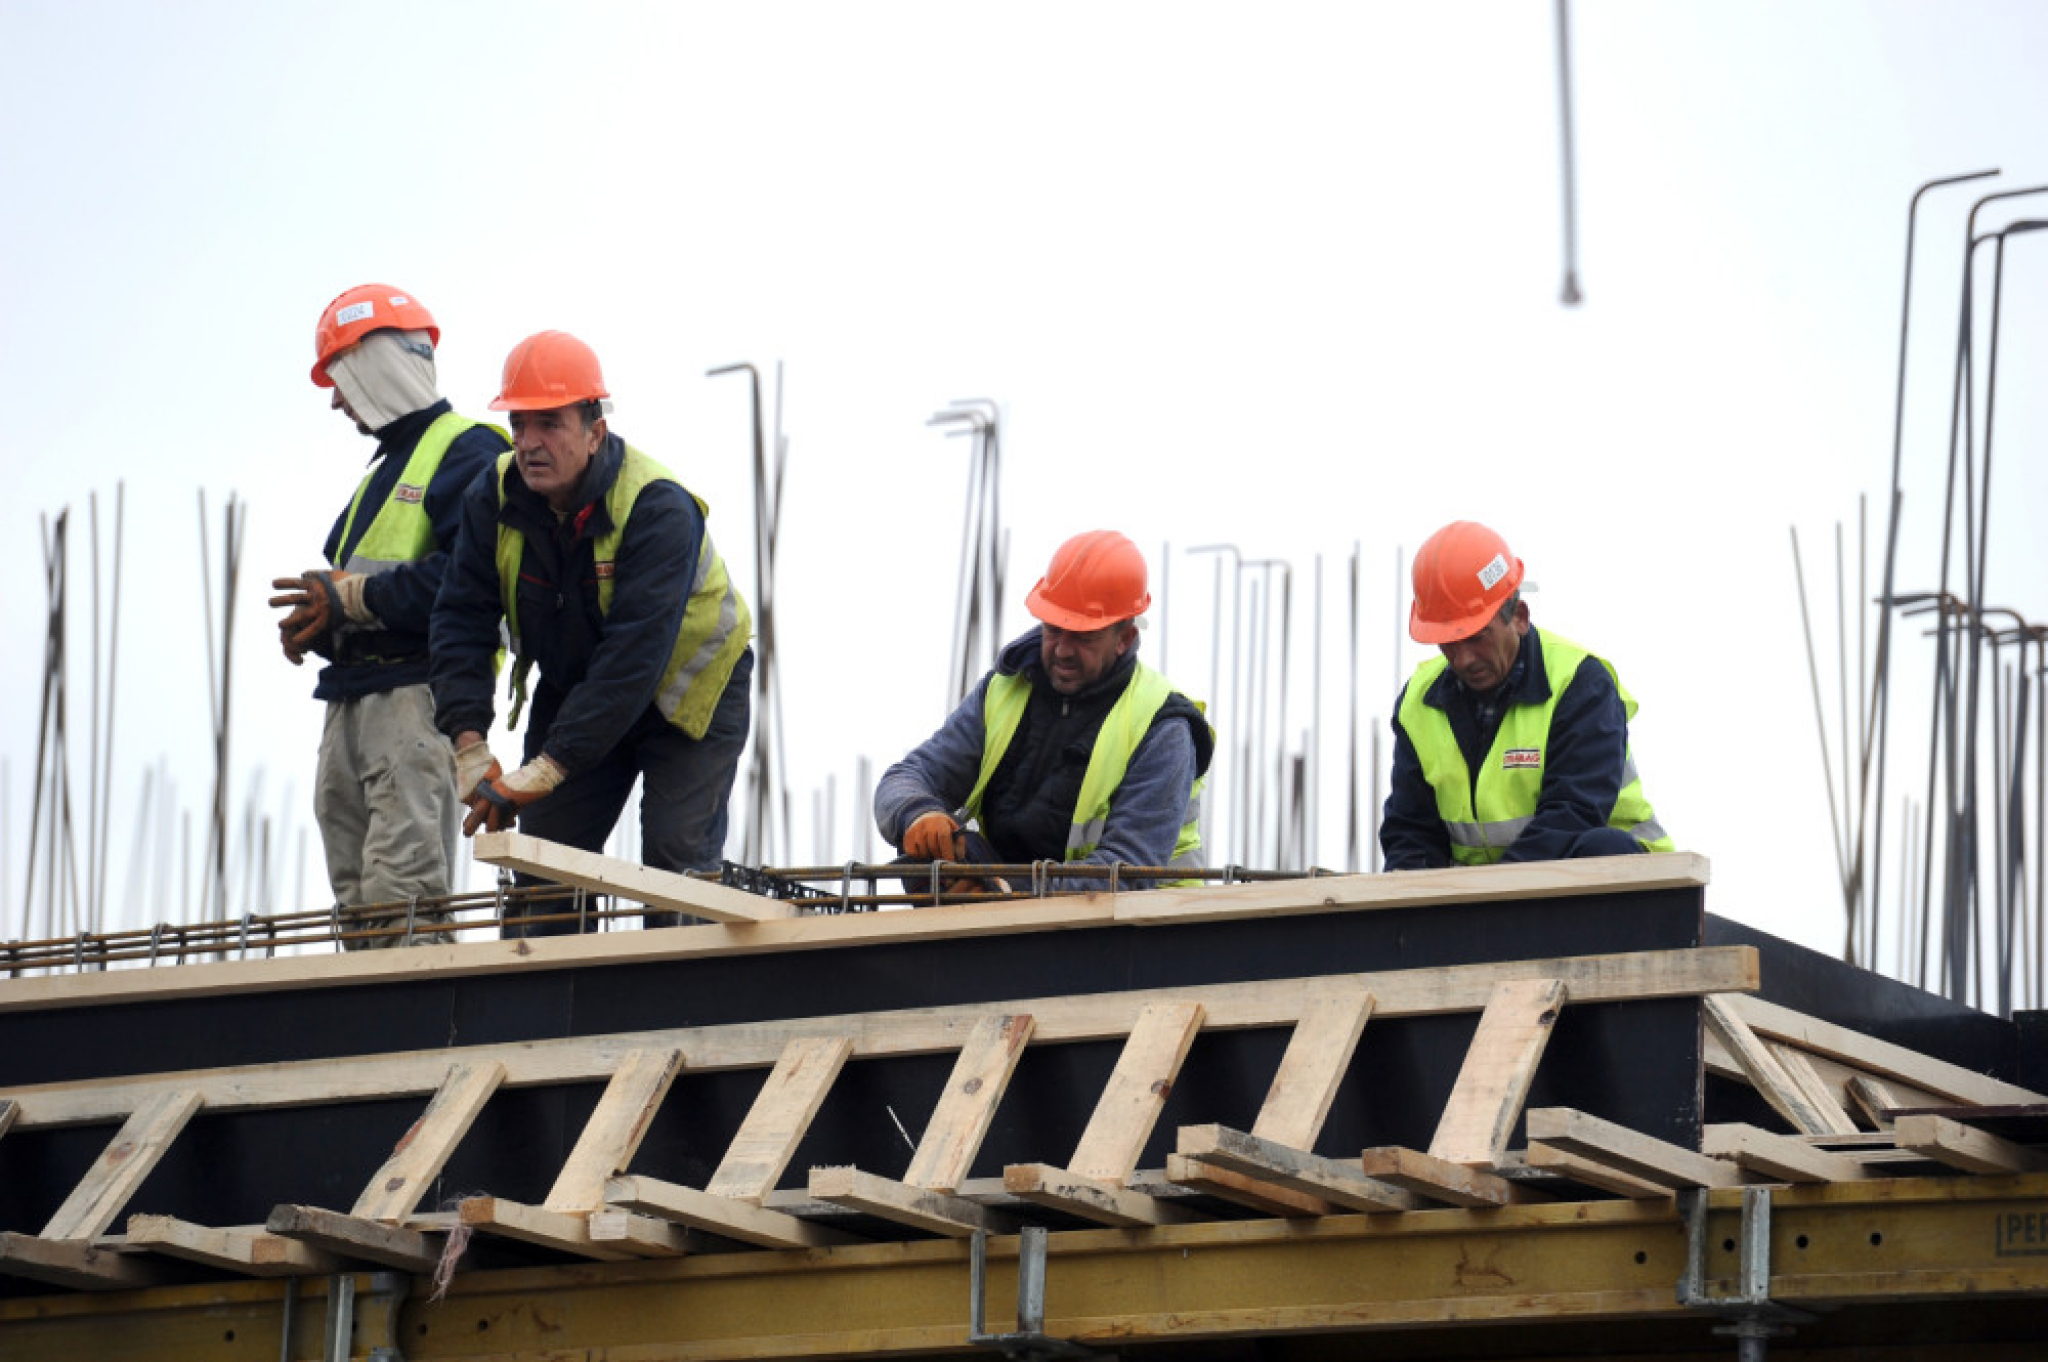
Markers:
point(474, 765)
point(497, 800)
point(934, 837)
point(319, 604)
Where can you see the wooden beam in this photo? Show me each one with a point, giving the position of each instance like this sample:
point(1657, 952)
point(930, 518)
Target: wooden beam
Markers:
point(1591, 1172)
point(1274, 1002)
point(960, 1122)
point(1880, 1059)
point(918, 1207)
point(1759, 1064)
point(1136, 1092)
point(741, 1220)
point(1807, 1079)
point(1242, 1189)
point(1088, 1199)
point(1960, 1146)
point(394, 1191)
point(615, 1129)
point(103, 1192)
point(1347, 894)
point(249, 1250)
point(1779, 1158)
point(1626, 1151)
point(570, 1233)
point(1499, 1066)
point(1340, 1183)
point(1874, 1101)
point(1317, 1058)
point(407, 1249)
point(626, 879)
point(781, 1113)
point(1454, 1184)
point(79, 1264)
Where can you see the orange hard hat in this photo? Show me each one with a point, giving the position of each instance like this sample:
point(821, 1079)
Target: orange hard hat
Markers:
point(358, 312)
point(1464, 573)
point(1096, 579)
point(549, 369)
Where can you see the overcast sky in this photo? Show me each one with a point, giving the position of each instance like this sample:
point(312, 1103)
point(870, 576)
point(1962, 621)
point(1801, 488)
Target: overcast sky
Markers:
point(1279, 275)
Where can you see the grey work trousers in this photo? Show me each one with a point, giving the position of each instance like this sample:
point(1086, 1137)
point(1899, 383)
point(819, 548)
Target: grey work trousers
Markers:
point(384, 796)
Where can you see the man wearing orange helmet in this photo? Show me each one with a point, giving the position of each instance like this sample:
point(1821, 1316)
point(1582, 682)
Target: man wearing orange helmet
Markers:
point(1512, 745)
point(1071, 749)
point(599, 564)
point(382, 792)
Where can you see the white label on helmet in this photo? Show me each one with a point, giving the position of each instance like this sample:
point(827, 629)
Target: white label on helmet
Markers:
point(354, 312)
point(399, 300)
point(1492, 572)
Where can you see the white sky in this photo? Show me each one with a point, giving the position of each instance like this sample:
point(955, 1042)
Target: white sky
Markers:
point(1282, 275)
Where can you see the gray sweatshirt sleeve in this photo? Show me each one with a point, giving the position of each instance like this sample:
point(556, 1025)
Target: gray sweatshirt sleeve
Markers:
point(938, 774)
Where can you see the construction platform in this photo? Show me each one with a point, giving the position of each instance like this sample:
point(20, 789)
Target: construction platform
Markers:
point(1507, 1113)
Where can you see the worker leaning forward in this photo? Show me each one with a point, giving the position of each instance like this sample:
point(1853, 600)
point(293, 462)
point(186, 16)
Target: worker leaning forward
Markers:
point(1071, 749)
point(1542, 723)
point(382, 794)
point(600, 565)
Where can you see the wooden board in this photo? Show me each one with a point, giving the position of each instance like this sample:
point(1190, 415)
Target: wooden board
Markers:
point(1880, 1059)
point(1339, 1183)
point(615, 1128)
point(399, 1246)
point(1087, 1198)
point(1759, 1064)
point(1630, 1153)
point(395, 1190)
point(1136, 1092)
point(1499, 1066)
point(626, 879)
point(1959, 1146)
point(741, 1220)
point(779, 1117)
point(1242, 1189)
point(251, 1251)
point(1780, 1158)
point(1454, 1184)
point(1274, 1002)
point(920, 1208)
point(102, 1194)
point(960, 1122)
point(1317, 1058)
point(79, 1264)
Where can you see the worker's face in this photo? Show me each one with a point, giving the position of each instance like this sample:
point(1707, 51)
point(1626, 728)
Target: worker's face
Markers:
point(340, 404)
point(1482, 661)
point(1075, 660)
point(554, 447)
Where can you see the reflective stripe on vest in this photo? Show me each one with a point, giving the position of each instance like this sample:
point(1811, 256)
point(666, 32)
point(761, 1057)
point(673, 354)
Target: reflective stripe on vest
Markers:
point(716, 625)
point(1123, 728)
point(1508, 790)
point(402, 532)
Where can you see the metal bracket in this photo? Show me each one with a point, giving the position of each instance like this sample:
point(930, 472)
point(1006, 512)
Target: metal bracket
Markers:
point(386, 1294)
point(1755, 1317)
point(1029, 1343)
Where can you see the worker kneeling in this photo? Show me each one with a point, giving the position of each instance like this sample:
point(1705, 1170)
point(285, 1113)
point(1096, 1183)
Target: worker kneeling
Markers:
point(1071, 750)
point(1512, 745)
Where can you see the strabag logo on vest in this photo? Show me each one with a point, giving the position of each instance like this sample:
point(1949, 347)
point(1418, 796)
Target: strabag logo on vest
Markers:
point(1521, 759)
point(408, 493)
point(607, 568)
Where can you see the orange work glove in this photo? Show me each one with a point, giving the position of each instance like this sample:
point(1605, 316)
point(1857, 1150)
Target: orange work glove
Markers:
point(496, 803)
point(934, 837)
point(321, 602)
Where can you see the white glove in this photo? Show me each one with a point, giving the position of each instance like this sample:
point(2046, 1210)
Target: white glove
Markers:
point(472, 764)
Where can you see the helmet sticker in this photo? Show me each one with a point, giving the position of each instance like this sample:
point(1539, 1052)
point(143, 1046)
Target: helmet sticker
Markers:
point(1493, 572)
point(354, 312)
point(399, 300)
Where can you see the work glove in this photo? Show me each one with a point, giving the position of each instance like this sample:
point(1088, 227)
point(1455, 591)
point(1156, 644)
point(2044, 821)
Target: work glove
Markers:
point(320, 602)
point(474, 765)
point(497, 800)
point(934, 836)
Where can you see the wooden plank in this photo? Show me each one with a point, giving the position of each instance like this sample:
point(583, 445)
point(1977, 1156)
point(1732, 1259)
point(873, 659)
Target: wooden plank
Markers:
point(1433, 991)
point(103, 1192)
point(1779, 1158)
point(1818, 1094)
point(643, 1236)
point(781, 1113)
point(626, 879)
point(613, 1133)
point(79, 1264)
point(1317, 1058)
point(920, 1208)
point(1759, 1064)
point(1880, 1059)
point(1627, 1151)
point(1101, 1202)
point(563, 1232)
point(1258, 1194)
point(1499, 1066)
point(1136, 1092)
point(741, 1220)
point(1595, 1173)
point(1960, 1146)
point(394, 1191)
point(249, 1250)
point(1874, 1101)
point(399, 1246)
point(960, 1122)
point(1340, 1183)
point(1454, 1184)
point(1326, 894)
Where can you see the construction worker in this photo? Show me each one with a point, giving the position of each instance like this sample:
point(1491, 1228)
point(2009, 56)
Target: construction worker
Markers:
point(600, 566)
point(383, 794)
point(1071, 749)
point(1542, 723)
